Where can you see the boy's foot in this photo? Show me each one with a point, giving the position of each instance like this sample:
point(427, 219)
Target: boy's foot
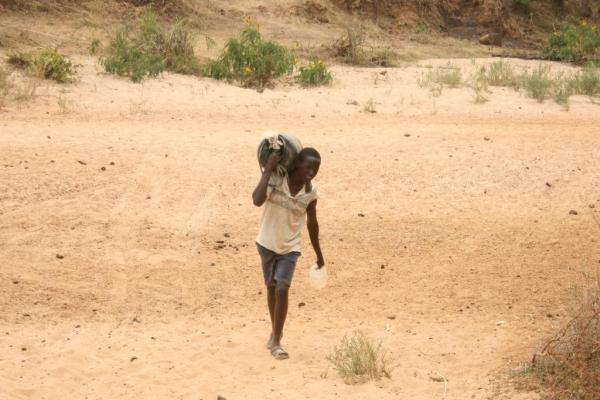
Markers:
point(270, 342)
point(279, 353)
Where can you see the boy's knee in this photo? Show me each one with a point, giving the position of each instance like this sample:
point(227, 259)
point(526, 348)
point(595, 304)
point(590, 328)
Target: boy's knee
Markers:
point(281, 286)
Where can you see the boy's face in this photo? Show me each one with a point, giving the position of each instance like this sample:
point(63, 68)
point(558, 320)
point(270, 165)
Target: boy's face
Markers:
point(308, 168)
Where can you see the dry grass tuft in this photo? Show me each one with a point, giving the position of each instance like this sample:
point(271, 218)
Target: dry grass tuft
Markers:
point(358, 359)
point(568, 365)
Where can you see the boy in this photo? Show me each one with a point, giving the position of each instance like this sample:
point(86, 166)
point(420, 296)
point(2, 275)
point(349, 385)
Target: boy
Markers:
point(289, 201)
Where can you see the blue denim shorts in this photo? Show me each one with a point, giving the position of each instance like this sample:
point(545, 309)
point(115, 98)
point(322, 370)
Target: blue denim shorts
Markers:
point(277, 267)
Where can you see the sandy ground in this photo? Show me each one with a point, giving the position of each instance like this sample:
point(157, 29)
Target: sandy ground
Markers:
point(445, 225)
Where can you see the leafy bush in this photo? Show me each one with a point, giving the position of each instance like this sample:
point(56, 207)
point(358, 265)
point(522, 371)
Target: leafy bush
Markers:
point(315, 74)
point(574, 43)
point(49, 64)
point(251, 60)
point(358, 359)
point(150, 49)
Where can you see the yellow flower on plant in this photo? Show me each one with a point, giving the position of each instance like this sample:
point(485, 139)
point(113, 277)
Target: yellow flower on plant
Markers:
point(248, 20)
point(248, 70)
point(584, 23)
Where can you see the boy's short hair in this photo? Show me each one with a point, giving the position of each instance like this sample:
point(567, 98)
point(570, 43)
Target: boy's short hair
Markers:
point(308, 152)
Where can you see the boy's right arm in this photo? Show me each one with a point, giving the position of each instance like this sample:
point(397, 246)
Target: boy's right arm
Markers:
point(259, 196)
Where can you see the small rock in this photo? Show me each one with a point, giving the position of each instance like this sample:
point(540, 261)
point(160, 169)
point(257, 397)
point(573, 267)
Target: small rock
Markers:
point(487, 139)
point(391, 317)
point(548, 184)
point(407, 135)
point(361, 214)
point(382, 266)
point(226, 235)
point(112, 163)
point(49, 137)
point(132, 359)
point(148, 197)
point(23, 348)
point(301, 304)
point(592, 206)
point(219, 397)
point(573, 212)
point(60, 256)
point(491, 39)
point(15, 282)
point(103, 169)
point(81, 162)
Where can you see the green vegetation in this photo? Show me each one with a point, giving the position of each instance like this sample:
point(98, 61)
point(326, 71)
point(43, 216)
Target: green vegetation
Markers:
point(13, 91)
point(251, 60)
point(574, 42)
point(315, 74)
point(539, 83)
point(49, 64)
point(480, 86)
point(358, 359)
point(5, 86)
point(438, 78)
point(94, 46)
point(151, 48)
point(501, 73)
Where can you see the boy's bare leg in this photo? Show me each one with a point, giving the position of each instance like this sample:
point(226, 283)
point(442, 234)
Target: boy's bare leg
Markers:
point(271, 303)
point(280, 313)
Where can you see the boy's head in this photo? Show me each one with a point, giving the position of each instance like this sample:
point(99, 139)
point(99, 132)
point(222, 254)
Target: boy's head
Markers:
point(307, 163)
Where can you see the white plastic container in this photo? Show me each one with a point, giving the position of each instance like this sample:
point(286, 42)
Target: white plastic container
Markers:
point(317, 277)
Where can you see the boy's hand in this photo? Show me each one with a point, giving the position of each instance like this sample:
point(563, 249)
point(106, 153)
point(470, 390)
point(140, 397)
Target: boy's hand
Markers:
point(272, 162)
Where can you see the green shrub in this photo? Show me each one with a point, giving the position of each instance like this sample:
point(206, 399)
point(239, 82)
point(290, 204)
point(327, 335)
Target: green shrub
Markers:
point(537, 84)
point(587, 81)
point(479, 84)
point(251, 60)
point(5, 86)
point(500, 73)
point(562, 90)
point(49, 64)
point(94, 46)
point(436, 79)
point(315, 74)
point(574, 43)
point(358, 359)
point(151, 48)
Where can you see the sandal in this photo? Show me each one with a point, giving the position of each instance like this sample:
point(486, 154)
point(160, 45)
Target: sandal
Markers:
point(279, 353)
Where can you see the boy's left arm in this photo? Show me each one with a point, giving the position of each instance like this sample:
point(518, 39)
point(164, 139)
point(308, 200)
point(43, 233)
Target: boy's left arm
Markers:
point(313, 231)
